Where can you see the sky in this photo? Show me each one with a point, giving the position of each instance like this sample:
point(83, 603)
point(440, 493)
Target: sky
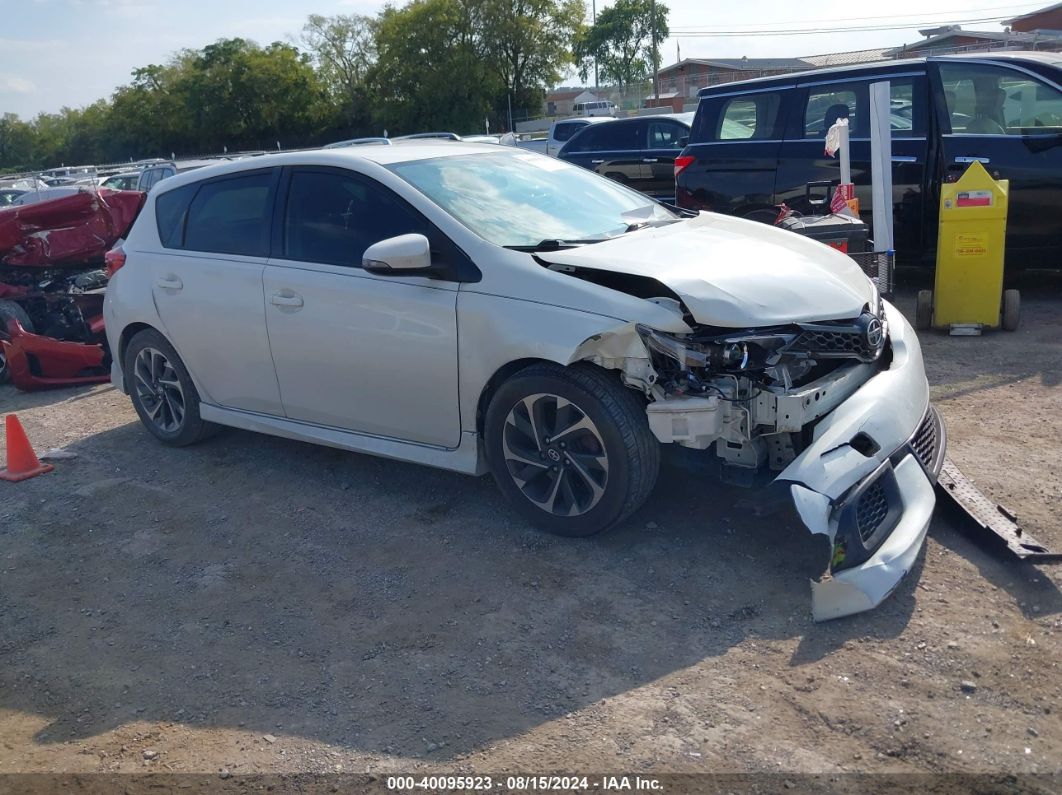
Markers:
point(56, 53)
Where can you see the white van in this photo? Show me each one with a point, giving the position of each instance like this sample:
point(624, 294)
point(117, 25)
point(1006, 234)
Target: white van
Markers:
point(599, 108)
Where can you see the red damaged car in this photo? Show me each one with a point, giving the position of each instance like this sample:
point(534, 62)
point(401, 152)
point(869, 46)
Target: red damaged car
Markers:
point(53, 271)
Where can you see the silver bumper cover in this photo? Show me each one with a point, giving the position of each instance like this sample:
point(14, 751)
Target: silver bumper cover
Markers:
point(874, 507)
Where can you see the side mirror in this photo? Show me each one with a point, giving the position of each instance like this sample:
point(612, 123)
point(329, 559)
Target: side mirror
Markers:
point(405, 255)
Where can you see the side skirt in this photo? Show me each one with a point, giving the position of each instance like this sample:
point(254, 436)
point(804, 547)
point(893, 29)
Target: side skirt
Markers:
point(464, 458)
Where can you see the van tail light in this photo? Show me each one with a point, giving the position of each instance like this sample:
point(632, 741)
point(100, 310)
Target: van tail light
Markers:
point(113, 260)
point(682, 162)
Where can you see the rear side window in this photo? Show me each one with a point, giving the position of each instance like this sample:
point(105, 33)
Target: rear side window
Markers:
point(666, 135)
point(231, 216)
point(171, 208)
point(608, 137)
point(826, 104)
point(562, 132)
point(739, 118)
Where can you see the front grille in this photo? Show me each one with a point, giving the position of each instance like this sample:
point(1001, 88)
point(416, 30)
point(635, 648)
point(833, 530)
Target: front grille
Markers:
point(872, 509)
point(863, 338)
point(835, 344)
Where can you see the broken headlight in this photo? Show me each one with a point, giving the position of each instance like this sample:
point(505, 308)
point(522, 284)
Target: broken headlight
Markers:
point(741, 352)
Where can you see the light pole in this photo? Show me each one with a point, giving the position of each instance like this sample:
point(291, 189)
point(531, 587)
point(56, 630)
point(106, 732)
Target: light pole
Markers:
point(593, 6)
point(656, 57)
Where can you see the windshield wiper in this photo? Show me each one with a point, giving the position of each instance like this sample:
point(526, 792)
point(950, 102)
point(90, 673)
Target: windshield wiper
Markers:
point(552, 244)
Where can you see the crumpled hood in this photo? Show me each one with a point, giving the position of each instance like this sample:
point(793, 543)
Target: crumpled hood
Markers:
point(734, 273)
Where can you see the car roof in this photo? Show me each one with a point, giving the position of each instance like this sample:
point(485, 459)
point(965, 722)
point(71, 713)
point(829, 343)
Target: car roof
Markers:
point(685, 118)
point(873, 67)
point(385, 155)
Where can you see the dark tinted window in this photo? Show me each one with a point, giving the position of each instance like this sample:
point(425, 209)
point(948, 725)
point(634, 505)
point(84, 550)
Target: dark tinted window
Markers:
point(993, 100)
point(666, 134)
point(739, 118)
point(609, 137)
point(170, 211)
point(332, 217)
point(231, 216)
point(562, 132)
point(826, 104)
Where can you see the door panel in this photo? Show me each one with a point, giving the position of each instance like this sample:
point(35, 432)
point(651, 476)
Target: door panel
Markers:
point(370, 354)
point(662, 147)
point(1011, 121)
point(211, 310)
point(207, 285)
point(614, 150)
point(803, 164)
point(355, 350)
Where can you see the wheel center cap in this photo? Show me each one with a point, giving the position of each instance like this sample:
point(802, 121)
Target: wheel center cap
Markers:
point(553, 454)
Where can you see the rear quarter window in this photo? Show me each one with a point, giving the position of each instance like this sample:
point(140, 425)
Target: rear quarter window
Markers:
point(171, 209)
point(739, 118)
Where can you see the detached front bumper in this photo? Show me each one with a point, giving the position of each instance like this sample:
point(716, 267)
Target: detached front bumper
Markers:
point(866, 480)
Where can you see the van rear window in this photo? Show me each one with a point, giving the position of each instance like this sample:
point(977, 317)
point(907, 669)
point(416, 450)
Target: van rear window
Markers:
point(738, 118)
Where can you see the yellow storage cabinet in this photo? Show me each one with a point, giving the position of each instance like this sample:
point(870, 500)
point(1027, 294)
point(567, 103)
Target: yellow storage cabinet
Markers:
point(968, 290)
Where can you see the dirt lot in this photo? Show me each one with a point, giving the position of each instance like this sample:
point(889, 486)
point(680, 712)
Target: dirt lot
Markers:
point(255, 604)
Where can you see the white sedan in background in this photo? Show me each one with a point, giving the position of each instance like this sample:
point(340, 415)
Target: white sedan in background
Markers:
point(486, 309)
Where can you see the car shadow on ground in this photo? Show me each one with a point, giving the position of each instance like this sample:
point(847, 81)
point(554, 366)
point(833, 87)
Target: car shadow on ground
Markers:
point(280, 587)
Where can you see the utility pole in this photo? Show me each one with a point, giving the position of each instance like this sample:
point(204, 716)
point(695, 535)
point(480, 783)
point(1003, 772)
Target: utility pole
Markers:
point(656, 55)
point(594, 7)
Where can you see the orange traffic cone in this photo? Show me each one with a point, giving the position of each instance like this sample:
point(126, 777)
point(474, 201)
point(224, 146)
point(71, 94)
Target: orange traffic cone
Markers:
point(22, 462)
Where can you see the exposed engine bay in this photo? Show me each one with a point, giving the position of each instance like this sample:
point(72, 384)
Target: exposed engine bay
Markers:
point(52, 281)
point(755, 394)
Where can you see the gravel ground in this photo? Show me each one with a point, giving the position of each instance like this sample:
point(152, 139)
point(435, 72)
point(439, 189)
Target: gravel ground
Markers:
point(259, 605)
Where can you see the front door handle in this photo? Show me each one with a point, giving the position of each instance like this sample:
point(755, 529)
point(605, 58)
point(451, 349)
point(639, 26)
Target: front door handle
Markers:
point(904, 159)
point(973, 159)
point(169, 282)
point(596, 162)
point(287, 298)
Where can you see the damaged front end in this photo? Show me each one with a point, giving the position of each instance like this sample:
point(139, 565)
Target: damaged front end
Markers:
point(837, 412)
point(52, 282)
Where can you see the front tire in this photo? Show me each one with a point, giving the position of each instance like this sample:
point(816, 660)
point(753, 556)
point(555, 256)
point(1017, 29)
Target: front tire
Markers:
point(571, 448)
point(162, 392)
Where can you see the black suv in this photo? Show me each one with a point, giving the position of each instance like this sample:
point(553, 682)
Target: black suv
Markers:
point(758, 143)
point(639, 152)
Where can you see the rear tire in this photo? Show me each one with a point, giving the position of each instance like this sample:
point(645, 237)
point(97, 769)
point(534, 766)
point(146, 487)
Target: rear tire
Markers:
point(162, 392)
point(571, 448)
point(1011, 310)
point(9, 310)
point(924, 310)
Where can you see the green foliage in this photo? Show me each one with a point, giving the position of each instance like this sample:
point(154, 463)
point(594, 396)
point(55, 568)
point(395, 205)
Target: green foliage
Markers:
point(430, 64)
point(621, 41)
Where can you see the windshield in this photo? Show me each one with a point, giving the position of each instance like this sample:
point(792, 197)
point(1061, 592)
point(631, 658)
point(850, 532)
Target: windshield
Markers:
point(520, 200)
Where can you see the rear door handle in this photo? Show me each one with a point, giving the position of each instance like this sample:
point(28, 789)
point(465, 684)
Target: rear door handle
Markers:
point(287, 298)
point(904, 159)
point(597, 162)
point(650, 160)
point(169, 282)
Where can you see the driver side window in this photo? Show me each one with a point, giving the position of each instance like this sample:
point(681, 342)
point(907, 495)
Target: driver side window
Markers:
point(332, 218)
point(992, 100)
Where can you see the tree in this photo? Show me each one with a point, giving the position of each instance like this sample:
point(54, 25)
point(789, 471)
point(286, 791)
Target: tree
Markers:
point(622, 41)
point(530, 43)
point(433, 70)
point(344, 49)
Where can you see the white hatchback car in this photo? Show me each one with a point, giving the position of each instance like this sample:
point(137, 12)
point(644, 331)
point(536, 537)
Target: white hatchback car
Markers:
point(488, 309)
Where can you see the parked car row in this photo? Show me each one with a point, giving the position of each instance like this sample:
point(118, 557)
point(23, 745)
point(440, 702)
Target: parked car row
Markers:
point(756, 144)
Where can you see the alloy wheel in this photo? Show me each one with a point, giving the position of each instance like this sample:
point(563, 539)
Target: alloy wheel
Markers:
point(555, 454)
point(159, 390)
